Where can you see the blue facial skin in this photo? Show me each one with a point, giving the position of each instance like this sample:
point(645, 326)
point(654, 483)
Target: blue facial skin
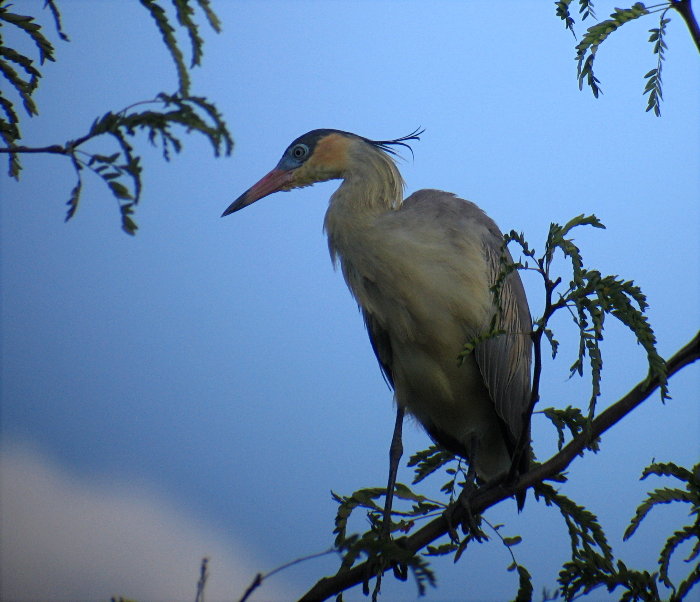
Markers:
point(303, 147)
point(294, 156)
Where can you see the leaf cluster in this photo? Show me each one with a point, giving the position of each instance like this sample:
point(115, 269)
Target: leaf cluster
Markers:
point(386, 553)
point(383, 553)
point(587, 48)
point(121, 171)
point(593, 564)
point(572, 420)
point(589, 545)
point(585, 9)
point(691, 532)
point(120, 168)
point(595, 35)
point(21, 71)
point(589, 297)
point(653, 77)
point(430, 460)
point(184, 12)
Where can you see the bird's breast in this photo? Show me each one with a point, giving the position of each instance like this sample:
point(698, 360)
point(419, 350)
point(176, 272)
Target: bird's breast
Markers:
point(418, 284)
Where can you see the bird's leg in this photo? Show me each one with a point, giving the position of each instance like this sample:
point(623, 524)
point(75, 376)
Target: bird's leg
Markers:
point(395, 453)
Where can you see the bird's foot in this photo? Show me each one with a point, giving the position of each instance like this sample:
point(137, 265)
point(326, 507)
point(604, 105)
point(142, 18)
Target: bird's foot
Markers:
point(460, 514)
point(381, 561)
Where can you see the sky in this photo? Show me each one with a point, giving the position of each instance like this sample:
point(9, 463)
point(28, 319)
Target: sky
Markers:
point(200, 388)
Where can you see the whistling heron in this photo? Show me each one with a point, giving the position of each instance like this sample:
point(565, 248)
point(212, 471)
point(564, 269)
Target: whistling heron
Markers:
point(421, 270)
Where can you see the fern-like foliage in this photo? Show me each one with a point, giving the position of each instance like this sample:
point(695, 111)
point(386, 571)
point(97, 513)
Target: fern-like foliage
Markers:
point(372, 545)
point(590, 297)
point(590, 550)
point(366, 499)
point(690, 495)
point(167, 115)
point(592, 563)
point(384, 553)
point(426, 462)
point(121, 171)
point(653, 77)
point(572, 420)
point(595, 35)
point(585, 9)
point(185, 12)
point(22, 74)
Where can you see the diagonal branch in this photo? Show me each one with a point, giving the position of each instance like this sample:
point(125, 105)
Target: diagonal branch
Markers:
point(486, 497)
point(686, 10)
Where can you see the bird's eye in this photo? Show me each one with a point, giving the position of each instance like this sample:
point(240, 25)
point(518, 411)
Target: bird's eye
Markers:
point(299, 151)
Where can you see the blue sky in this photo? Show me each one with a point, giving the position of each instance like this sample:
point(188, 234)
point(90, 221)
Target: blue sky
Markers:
point(205, 384)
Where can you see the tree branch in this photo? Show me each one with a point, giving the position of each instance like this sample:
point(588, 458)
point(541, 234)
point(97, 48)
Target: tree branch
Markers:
point(486, 497)
point(67, 149)
point(55, 149)
point(686, 10)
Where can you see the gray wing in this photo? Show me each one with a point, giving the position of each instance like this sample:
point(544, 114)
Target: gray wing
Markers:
point(504, 360)
point(381, 344)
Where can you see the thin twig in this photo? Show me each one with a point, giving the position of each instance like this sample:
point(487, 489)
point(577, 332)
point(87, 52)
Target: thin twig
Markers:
point(203, 576)
point(259, 578)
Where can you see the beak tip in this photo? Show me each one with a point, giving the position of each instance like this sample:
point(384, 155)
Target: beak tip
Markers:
point(274, 181)
point(239, 203)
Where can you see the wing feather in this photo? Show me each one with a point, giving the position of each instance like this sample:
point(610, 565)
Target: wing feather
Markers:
point(504, 360)
point(381, 344)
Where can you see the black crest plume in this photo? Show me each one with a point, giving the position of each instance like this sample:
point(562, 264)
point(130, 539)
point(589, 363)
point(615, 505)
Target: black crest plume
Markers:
point(386, 145)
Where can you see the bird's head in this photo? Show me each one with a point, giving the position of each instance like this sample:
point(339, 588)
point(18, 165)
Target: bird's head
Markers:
point(317, 156)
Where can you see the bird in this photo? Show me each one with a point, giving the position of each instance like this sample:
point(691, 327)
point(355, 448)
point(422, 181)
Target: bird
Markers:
point(422, 270)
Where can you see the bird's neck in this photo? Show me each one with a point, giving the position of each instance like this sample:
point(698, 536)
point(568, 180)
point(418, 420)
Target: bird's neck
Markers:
point(372, 186)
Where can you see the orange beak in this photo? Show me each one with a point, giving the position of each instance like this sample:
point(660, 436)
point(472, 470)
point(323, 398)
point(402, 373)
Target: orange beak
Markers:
point(277, 179)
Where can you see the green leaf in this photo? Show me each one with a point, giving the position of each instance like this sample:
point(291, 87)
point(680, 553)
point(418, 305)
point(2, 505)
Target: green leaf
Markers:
point(571, 419)
point(128, 224)
point(669, 469)
point(512, 541)
point(22, 88)
point(587, 536)
point(595, 35)
point(211, 16)
point(119, 190)
point(26, 63)
point(51, 4)
point(73, 200)
point(684, 534)
point(653, 85)
point(32, 29)
point(656, 497)
point(167, 31)
point(563, 13)
point(441, 550)
point(525, 589)
point(554, 344)
point(428, 461)
point(686, 585)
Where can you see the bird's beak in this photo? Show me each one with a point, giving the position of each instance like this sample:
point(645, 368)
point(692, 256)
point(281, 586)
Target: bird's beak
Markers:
point(277, 179)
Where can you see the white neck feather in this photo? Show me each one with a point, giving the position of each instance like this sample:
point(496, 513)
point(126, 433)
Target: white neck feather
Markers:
point(372, 186)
